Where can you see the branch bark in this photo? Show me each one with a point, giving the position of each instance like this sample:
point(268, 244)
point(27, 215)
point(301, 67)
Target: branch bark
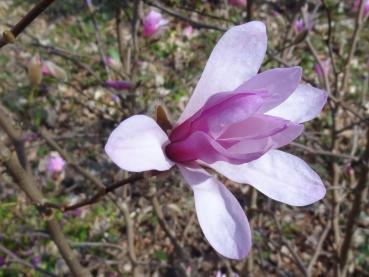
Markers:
point(26, 20)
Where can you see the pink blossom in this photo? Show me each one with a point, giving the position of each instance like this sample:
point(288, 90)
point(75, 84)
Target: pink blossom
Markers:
point(299, 24)
point(188, 31)
point(118, 84)
point(356, 6)
point(233, 123)
point(238, 3)
point(52, 70)
point(326, 67)
point(55, 164)
point(152, 23)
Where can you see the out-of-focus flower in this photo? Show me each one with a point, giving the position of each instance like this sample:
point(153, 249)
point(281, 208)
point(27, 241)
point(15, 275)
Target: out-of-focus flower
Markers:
point(36, 260)
point(152, 23)
point(119, 84)
point(188, 31)
point(356, 6)
point(238, 3)
point(220, 274)
point(52, 70)
point(299, 24)
point(326, 68)
point(113, 63)
point(2, 261)
point(73, 213)
point(35, 70)
point(233, 123)
point(55, 165)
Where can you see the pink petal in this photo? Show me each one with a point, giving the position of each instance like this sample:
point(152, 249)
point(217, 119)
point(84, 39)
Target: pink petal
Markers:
point(254, 127)
point(137, 145)
point(279, 175)
point(152, 23)
point(221, 110)
point(236, 57)
point(274, 141)
point(305, 103)
point(118, 84)
point(200, 146)
point(279, 83)
point(238, 3)
point(221, 217)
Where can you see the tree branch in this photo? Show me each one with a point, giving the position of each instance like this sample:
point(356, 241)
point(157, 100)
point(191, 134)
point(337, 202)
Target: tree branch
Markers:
point(26, 20)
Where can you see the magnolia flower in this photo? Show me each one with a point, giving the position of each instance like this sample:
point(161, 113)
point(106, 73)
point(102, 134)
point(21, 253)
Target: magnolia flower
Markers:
point(55, 166)
point(233, 123)
point(119, 85)
point(238, 3)
point(52, 70)
point(326, 68)
point(356, 6)
point(299, 24)
point(152, 23)
point(113, 63)
point(188, 31)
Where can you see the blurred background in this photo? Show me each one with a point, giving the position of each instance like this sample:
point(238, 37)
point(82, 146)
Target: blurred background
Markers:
point(81, 67)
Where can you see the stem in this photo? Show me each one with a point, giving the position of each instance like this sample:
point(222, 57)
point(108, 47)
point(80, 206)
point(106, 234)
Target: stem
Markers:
point(27, 20)
point(359, 194)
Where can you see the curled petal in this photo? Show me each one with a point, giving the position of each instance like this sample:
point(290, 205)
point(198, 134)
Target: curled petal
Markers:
point(221, 217)
point(279, 175)
point(236, 57)
point(305, 103)
point(278, 83)
point(220, 111)
point(254, 127)
point(137, 145)
point(200, 146)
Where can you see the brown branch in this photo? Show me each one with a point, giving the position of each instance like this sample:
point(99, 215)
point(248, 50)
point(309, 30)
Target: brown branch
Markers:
point(353, 43)
point(249, 10)
point(130, 237)
point(359, 192)
point(15, 137)
point(166, 229)
point(27, 183)
point(27, 20)
point(99, 195)
point(318, 248)
point(99, 42)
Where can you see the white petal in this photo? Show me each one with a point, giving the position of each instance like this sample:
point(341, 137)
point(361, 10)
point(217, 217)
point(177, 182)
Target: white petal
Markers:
point(137, 145)
point(279, 175)
point(236, 57)
point(221, 217)
point(305, 103)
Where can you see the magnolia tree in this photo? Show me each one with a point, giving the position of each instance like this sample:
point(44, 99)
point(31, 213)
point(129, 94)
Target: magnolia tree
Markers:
point(272, 107)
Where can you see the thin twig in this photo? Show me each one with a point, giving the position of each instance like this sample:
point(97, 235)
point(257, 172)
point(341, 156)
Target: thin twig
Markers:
point(359, 192)
point(27, 20)
point(318, 248)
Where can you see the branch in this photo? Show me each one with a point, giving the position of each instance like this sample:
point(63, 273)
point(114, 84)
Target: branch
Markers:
point(359, 192)
point(355, 36)
point(318, 248)
point(25, 21)
point(27, 183)
point(15, 137)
